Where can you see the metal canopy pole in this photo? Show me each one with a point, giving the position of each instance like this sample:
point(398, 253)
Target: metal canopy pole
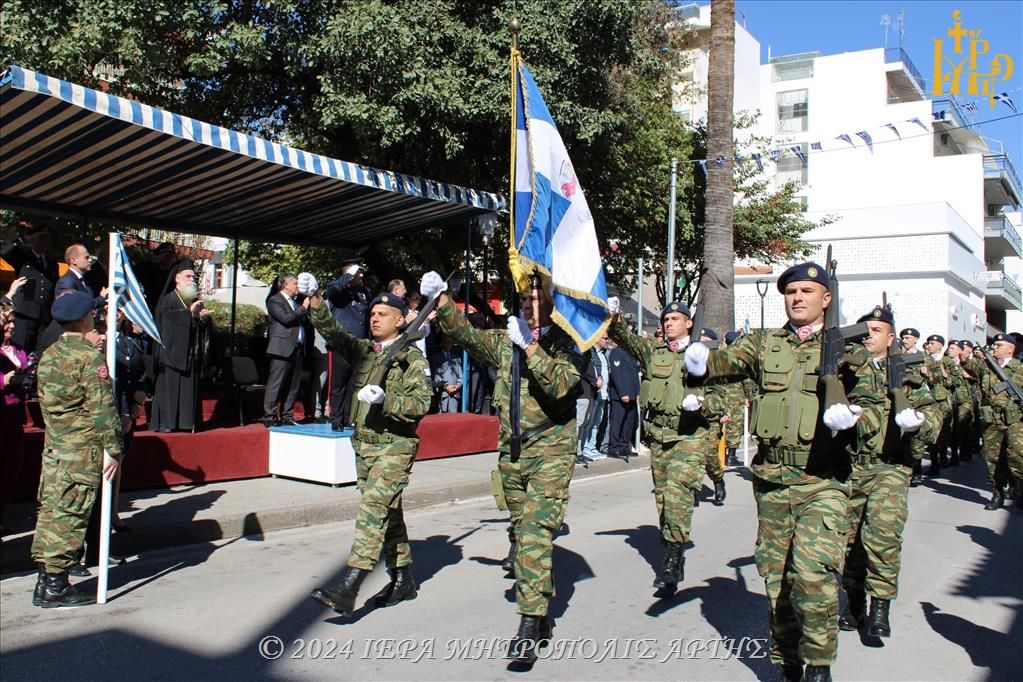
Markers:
point(468, 289)
point(234, 300)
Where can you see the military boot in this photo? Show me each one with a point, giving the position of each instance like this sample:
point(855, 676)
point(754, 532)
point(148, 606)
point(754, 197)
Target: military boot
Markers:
point(37, 593)
point(342, 596)
point(719, 493)
point(953, 459)
point(546, 630)
point(673, 567)
point(817, 673)
point(401, 588)
point(57, 592)
point(509, 561)
point(854, 610)
point(877, 621)
point(997, 498)
point(522, 647)
point(790, 672)
point(696, 498)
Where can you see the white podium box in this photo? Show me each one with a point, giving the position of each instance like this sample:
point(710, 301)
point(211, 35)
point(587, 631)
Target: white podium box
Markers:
point(312, 452)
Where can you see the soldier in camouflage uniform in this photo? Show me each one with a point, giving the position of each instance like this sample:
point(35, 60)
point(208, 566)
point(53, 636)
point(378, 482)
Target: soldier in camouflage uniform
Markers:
point(801, 472)
point(962, 397)
point(77, 401)
point(712, 460)
point(972, 367)
point(534, 487)
point(680, 415)
point(1000, 418)
point(941, 377)
point(882, 456)
point(736, 395)
point(385, 418)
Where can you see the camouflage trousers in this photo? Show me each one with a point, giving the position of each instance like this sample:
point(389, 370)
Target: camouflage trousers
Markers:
point(383, 473)
point(801, 536)
point(536, 492)
point(733, 429)
point(1003, 451)
point(68, 488)
point(677, 469)
point(964, 430)
point(878, 509)
point(712, 463)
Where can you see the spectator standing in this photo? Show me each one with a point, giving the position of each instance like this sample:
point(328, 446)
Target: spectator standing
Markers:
point(79, 263)
point(285, 351)
point(595, 425)
point(33, 300)
point(16, 378)
point(348, 300)
point(623, 400)
point(446, 368)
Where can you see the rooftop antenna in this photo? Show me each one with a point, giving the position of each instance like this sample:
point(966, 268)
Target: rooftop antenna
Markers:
point(886, 22)
point(900, 23)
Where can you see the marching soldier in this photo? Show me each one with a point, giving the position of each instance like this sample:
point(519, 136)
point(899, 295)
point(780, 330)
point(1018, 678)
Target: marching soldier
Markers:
point(77, 401)
point(801, 472)
point(973, 368)
point(534, 487)
point(385, 443)
point(938, 371)
point(963, 398)
point(712, 460)
point(680, 416)
point(736, 395)
point(881, 459)
point(1000, 418)
point(908, 339)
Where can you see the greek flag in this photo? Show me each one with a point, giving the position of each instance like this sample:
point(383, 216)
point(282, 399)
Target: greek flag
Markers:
point(553, 231)
point(128, 292)
point(1004, 99)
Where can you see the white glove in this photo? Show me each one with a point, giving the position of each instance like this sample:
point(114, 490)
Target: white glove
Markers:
point(519, 332)
point(696, 359)
point(307, 284)
point(433, 285)
point(840, 417)
point(692, 403)
point(909, 420)
point(614, 305)
point(352, 269)
point(371, 394)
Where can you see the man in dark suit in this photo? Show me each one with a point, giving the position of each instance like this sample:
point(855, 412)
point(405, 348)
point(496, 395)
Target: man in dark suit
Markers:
point(33, 300)
point(623, 393)
point(287, 340)
point(446, 371)
point(79, 263)
point(348, 299)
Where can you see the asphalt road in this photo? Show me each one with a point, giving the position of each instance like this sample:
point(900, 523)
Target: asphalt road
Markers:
point(227, 610)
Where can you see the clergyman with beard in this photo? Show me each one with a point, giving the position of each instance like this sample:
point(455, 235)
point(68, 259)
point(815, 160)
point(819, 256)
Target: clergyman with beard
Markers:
point(179, 315)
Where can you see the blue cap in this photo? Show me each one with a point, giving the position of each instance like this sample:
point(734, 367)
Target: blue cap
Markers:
point(72, 307)
point(709, 333)
point(804, 272)
point(879, 314)
point(676, 307)
point(731, 336)
point(395, 302)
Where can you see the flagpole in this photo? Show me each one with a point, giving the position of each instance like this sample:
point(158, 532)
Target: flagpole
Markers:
point(113, 251)
point(514, 406)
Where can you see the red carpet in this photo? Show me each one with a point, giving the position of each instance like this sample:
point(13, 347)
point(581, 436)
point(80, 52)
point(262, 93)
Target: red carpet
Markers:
point(159, 460)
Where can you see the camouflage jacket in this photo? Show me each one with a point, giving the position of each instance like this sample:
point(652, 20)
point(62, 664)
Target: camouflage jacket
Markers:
point(794, 446)
point(407, 391)
point(76, 397)
point(736, 395)
point(549, 382)
point(999, 407)
point(942, 376)
point(878, 438)
point(665, 385)
point(973, 369)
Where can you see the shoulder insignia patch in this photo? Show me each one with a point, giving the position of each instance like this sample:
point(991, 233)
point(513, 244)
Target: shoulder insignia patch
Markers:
point(103, 372)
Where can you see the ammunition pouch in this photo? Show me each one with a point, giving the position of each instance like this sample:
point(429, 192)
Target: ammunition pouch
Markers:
point(784, 415)
point(369, 437)
point(987, 414)
point(1011, 413)
point(663, 388)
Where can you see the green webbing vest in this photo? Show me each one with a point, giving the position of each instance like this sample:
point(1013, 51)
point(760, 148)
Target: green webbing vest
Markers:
point(664, 387)
point(783, 416)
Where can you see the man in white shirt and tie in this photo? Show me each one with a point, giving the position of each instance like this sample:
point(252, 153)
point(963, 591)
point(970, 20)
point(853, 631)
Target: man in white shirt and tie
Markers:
point(285, 351)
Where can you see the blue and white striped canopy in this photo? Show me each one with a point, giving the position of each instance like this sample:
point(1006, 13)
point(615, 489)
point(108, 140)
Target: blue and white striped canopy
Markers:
point(67, 149)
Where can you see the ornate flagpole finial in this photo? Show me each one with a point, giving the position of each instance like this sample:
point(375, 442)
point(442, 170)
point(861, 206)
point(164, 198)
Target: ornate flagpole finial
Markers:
point(515, 26)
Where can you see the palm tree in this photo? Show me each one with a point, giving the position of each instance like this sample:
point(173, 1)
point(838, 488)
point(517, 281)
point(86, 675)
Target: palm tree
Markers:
point(718, 257)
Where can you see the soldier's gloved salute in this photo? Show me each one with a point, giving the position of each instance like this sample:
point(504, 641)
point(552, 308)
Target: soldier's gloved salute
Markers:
point(841, 417)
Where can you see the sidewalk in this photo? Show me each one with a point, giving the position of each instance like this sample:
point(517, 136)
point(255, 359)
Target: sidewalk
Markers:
point(200, 513)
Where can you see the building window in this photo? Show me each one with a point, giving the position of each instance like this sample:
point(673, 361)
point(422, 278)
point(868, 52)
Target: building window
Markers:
point(793, 111)
point(791, 168)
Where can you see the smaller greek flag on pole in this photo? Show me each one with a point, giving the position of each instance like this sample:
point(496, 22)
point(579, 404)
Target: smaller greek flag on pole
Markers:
point(129, 294)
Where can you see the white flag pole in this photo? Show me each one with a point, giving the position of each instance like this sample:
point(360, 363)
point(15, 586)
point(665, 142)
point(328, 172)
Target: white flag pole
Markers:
point(108, 486)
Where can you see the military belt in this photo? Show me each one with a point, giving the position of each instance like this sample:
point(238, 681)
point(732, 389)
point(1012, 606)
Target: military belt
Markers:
point(530, 434)
point(374, 437)
point(779, 454)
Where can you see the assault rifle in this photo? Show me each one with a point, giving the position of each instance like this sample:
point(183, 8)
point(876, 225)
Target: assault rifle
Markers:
point(834, 340)
point(1006, 384)
point(697, 331)
point(898, 363)
point(413, 332)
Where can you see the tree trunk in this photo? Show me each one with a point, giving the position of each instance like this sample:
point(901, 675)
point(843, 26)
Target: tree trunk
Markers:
point(718, 291)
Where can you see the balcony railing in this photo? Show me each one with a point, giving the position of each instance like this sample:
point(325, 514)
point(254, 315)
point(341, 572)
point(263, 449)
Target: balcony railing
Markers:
point(894, 55)
point(953, 112)
point(1001, 227)
point(996, 165)
point(999, 283)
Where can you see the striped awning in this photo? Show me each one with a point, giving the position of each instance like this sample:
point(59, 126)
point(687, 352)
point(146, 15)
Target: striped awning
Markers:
point(69, 150)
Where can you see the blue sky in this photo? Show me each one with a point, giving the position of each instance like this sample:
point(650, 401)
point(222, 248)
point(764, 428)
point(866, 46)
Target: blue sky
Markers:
point(834, 26)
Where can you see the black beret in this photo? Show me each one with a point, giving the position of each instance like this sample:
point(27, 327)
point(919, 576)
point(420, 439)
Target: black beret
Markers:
point(937, 337)
point(909, 331)
point(164, 247)
point(72, 307)
point(709, 333)
point(879, 314)
point(966, 343)
point(804, 272)
point(676, 307)
point(1004, 338)
point(731, 336)
point(395, 302)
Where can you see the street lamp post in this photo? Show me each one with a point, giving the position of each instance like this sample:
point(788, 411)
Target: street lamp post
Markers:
point(763, 293)
point(487, 225)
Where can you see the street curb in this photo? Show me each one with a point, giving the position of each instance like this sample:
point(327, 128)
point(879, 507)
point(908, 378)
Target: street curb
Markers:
point(16, 558)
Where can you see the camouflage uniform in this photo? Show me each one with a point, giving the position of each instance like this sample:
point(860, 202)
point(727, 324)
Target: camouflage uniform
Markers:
point(681, 442)
point(973, 368)
point(942, 378)
point(736, 395)
point(882, 464)
point(385, 442)
point(77, 401)
point(535, 487)
point(801, 488)
point(1000, 419)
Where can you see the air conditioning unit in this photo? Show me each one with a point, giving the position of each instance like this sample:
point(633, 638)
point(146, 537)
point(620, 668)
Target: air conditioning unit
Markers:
point(944, 139)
